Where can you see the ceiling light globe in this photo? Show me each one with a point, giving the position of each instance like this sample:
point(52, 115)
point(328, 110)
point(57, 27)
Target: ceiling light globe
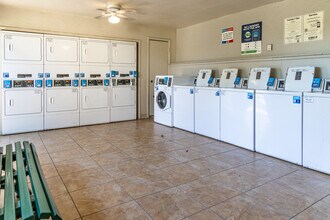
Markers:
point(114, 19)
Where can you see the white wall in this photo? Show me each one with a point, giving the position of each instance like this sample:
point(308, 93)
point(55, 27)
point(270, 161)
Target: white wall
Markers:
point(67, 24)
point(203, 41)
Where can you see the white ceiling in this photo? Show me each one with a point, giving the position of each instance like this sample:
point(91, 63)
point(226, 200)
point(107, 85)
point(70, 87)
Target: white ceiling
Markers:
point(170, 13)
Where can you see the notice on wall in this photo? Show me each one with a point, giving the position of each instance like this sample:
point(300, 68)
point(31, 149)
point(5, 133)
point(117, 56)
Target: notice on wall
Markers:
point(251, 38)
point(227, 35)
point(313, 26)
point(293, 30)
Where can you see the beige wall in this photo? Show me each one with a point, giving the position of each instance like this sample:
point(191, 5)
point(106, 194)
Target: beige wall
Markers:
point(203, 41)
point(67, 24)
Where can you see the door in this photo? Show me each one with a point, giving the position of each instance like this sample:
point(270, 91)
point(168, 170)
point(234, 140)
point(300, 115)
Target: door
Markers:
point(123, 52)
point(158, 65)
point(207, 112)
point(94, 98)
point(22, 47)
point(94, 51)
point(61, 49)
point(23, 102)
point(123, 96)
point(59, 100)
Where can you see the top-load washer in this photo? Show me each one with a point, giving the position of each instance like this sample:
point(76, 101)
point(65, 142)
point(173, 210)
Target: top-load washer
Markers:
point(316, 120)
point(163, 101)
point(184, 101)
point(237, 107)
point(61, 97)
point(279, 116)
point(22, 82)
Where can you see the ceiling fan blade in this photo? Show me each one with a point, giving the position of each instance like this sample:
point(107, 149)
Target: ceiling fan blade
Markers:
point(98, 17)
point(122, 16)
point(127, 10)
point(101, 9)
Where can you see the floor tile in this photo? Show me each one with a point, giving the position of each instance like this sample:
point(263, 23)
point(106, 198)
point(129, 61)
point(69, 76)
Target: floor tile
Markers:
point(75, 165)
point(100, 197)
point(125, 169)
point(66, 207)
point(212, 148)
point(170, 204)
point(158, 161)
point(110, 158)
point(247, 208)
point(56, 147)
point(180, 174)
point(100, 149)
point(185, 155)
point(233, 158)
point(194, 141)
point(208, 165)
point(204, 215)
point(86, 178)
point(319, 211)
point(49, 170)
point(144, 184)
point(56, 186)
point(127, 211)
point(59, 156)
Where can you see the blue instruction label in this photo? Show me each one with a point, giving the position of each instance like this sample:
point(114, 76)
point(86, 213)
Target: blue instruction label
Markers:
point(250, 95)
point(217, 93)
point(296, 100)
point(191, 91)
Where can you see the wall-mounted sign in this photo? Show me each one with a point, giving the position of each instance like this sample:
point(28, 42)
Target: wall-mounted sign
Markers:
point(227, 35)
point(251, 38)
point(313, 26)
point(293, 30)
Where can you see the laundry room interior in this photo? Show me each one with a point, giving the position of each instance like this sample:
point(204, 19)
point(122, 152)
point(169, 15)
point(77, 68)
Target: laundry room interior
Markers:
point(153, 109)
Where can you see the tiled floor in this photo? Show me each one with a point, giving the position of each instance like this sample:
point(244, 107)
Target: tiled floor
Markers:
point(142, 170)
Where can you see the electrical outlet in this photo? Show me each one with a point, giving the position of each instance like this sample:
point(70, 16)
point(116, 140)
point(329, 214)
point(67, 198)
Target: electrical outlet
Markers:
point(270, 47)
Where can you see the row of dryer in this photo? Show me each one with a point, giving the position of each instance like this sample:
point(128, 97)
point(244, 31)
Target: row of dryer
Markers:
point(283, 118)
point(53, 82)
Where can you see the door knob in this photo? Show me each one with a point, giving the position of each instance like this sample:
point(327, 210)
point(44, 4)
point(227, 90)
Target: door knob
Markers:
point(151, 81)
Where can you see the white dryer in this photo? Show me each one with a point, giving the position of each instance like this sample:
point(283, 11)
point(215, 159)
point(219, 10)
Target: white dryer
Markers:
point(94, 95)
point(316, 120)
point(237, 107)
point(123, 98)
point(163, 101)
point(61, 97)
point(279, 116)
point(22, 82)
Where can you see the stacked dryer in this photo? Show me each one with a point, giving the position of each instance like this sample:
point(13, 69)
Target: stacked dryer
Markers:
point(123, 81)
point(94, 81)
point(22, 82)
point(61, 81)
point(279, 116)
point(238, 108)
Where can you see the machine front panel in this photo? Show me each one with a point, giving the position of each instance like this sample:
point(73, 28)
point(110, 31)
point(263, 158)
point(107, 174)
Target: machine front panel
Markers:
point(94, 98)
point(123, 96)
point(95, 51)
point(23, 102)
point(58, 100)
point(61, 49)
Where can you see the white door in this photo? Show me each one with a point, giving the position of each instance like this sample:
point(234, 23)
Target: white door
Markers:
point(23, 102)
point(207, 112)
point(22, 47)
point(94, 51)
point(123, 96)
point(94, 98)
point(61, 49)
point(316, 139)
point(279, 125)
point(237, 117)
point(123, 53)
point(184, 108)
point(59, 100)
point(158, 65)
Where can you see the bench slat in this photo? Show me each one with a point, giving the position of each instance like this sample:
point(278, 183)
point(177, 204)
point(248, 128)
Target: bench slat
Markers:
point(43, 209)
point(55, 213)
point(9, 205)
point(24, 194)
point(1, 154)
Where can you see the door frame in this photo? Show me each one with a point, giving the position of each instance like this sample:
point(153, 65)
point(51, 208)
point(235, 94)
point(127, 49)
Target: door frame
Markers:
point(148, 65)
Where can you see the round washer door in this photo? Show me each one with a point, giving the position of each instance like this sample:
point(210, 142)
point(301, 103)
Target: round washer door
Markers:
point(162, 100)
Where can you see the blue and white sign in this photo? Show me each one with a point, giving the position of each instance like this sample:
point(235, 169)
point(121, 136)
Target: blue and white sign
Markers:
point(251, 38)
point(296, 100)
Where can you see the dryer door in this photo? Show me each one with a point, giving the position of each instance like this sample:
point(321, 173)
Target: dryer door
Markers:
point(123, 96)
point(95, 98)
point(58, 100)
point(163, 101)
point(23, 102)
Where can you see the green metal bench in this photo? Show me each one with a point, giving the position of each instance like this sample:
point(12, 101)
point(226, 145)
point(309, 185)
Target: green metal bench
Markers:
point(20, 201)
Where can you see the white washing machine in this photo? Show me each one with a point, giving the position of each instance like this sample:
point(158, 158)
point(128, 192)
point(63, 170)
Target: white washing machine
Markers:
point(207, 110)
point(61, 97)
point(184, 101)
point(316, 120)
point(237, 108)
point(94, 95)
point(123, 98)
point(21, 79)
point(279, 116)
point(163, 102)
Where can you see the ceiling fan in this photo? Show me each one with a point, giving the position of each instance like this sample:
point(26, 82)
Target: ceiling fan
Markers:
point(114, 13)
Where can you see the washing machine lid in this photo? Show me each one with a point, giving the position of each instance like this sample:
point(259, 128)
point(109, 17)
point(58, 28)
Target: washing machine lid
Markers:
point(163, 100)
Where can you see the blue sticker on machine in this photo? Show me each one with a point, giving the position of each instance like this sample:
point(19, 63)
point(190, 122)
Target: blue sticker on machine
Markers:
point(5, 75)
point(7, 84)
point(106, 82)
point(84, 83)
point(217, 93)
point(40, 75)
point(38, 83)
point(296, 100)
point(49, 83)
point(191, 91)
point(47, 75)
point(250, 95)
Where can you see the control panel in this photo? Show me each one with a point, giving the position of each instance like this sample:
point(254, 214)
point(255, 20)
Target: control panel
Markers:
point(95, 82)
point(280, 84)
point(245, 83)
point(62, 83)
point(326, 86)
point(23, 83)
point(123, 82)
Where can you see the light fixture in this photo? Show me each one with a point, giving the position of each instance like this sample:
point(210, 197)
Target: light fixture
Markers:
point(114, 19)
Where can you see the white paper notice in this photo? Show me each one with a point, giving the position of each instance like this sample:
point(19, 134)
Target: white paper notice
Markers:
point(293, 30)
point(313, 26)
